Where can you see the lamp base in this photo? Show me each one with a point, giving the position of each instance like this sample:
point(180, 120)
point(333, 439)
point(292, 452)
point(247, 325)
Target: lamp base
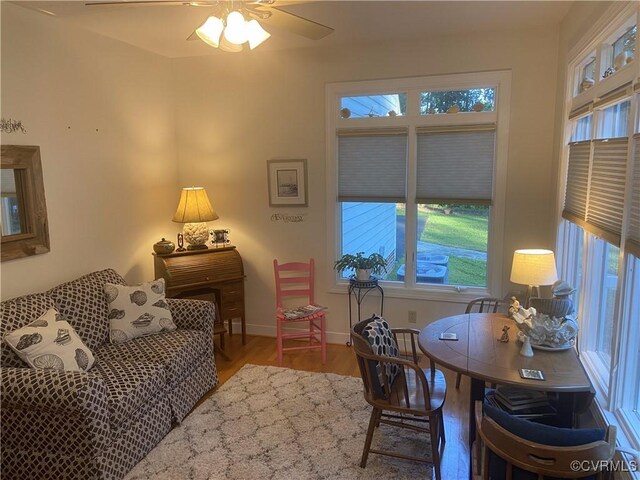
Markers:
point(197, 247)
point(196, 235)
point(530, 295)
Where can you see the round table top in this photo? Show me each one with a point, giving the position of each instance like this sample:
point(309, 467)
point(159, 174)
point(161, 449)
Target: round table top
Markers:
point(478, 354)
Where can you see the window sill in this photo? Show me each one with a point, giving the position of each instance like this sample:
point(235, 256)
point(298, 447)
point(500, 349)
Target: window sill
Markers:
point(445, 293)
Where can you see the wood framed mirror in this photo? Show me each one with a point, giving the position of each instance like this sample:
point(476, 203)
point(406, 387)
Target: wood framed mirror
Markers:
point(24, 224)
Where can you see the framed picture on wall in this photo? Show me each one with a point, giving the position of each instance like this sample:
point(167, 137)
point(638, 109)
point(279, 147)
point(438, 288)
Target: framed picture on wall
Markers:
point(287, 183)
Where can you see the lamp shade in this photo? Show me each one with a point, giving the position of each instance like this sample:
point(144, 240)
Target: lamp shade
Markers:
point(534, 267)
point(194, 207)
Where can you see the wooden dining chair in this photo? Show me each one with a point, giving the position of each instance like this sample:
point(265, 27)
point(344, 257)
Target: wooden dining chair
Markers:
point(484, 305)
point(499, 452)
point(411, 393)
point(295, 280)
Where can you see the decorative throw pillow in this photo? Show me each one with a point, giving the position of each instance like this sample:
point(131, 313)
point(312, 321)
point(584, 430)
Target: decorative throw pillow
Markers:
point(137, 310)
point(50, 342)
point(383, 343)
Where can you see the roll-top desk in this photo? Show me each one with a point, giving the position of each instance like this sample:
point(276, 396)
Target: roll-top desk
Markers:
point(201, 273)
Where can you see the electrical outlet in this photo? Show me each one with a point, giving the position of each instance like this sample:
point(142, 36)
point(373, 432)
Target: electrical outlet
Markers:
point(413, 316)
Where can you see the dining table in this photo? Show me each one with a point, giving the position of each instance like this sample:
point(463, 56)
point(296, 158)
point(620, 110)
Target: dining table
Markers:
point(479, 354)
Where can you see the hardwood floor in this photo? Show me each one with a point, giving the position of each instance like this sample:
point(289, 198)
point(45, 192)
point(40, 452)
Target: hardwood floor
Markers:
point(341, 360)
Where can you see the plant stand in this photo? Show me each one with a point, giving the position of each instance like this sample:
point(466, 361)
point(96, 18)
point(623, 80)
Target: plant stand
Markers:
point(359, 290)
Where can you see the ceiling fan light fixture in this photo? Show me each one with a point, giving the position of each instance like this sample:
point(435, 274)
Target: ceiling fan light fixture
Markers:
point(256, 34)
point(210, 31)
point(236, 30)
point(227, 46)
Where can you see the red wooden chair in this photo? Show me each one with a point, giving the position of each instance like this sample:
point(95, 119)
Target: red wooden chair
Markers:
point(296, 280)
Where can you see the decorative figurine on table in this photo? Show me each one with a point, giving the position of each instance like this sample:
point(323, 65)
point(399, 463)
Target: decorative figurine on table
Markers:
point(552, 326)
point(505, 334)
point(180, 243)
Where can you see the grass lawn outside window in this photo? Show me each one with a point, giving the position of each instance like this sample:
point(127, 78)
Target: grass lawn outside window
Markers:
point(460, 232)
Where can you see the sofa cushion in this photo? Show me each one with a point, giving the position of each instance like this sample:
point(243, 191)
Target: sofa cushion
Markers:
point(82, 302)
point(137, 311)
point(50, 342)
point(177, 351)
point(131, 385)
point(16, 313)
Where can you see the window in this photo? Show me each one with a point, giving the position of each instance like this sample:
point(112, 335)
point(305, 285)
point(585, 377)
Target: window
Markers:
point(470, 100)
point(613, 121)
point(623, 48)
point(452, 246)
point(606, 298)
point(369, 106)
point(618, 50)
point(598, 240)
point(421, 186)
point(582, 129)
point(589, 70)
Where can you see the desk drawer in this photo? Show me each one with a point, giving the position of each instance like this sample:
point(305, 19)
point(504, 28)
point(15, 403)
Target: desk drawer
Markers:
point(233, 292)
point(232, 310)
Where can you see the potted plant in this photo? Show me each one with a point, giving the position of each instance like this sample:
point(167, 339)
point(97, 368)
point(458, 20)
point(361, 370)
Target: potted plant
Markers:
point(363, 266)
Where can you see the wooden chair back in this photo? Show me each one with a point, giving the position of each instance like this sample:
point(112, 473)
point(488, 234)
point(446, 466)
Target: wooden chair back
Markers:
point(543, 460)
point(294, 279)
point(487, 305)
point(410, 388)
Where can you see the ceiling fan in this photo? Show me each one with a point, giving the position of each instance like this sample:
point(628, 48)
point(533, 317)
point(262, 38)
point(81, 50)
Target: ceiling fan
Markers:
point(231, 24)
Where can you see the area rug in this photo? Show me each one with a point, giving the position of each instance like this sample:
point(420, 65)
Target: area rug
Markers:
point(279, 423)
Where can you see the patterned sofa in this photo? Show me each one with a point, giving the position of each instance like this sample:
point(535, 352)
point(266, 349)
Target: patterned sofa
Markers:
point(98, 424)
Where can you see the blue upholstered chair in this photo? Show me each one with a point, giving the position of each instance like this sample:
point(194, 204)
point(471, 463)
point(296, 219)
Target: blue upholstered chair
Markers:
point(510, 447)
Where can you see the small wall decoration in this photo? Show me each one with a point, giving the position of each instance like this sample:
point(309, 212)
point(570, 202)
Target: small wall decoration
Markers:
point(220, 237)
point(286, 218)
point(287, 183)
point(9, 125)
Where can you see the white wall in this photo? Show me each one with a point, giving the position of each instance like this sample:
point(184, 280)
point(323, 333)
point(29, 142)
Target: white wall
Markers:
point(102, 114)
point(580, 18)
point(234, 112)
point(214, 121)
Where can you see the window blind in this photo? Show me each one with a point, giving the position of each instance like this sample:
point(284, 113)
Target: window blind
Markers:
point(455, 164)
point(605, 203)
point(372, 165)
point(595, 192)
point(575, 202)
point(633, 234)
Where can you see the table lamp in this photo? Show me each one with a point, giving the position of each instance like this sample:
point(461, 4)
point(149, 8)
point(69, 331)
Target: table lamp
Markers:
point(194, 210)
point(533, 267)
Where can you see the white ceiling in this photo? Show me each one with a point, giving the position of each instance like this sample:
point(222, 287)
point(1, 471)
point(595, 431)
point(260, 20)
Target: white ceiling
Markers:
point(164, 29)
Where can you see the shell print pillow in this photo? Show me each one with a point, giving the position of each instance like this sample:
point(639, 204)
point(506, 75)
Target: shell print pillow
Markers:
point(138, 310)
point(50, 342)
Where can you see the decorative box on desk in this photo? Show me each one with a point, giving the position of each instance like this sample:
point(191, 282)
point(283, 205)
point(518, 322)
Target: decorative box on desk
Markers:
point(201, 273)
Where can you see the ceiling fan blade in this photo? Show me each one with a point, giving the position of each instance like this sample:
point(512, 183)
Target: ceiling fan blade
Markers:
point(193, 36)
point(295, 24)
point(151, 3)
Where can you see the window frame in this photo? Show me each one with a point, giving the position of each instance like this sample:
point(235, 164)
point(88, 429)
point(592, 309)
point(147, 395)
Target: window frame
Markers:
point(412, 119)
point(610, 381)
